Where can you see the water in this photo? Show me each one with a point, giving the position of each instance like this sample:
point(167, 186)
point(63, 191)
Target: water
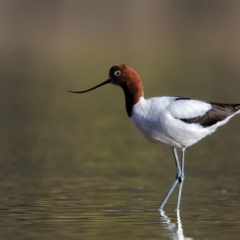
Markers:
point(114, 213)
point(67, 206)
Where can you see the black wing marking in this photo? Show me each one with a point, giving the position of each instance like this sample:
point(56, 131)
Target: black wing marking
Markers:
point(182, 98)
point(218, 113)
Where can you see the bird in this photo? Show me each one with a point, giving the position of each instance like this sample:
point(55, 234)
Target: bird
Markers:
point(176, 121)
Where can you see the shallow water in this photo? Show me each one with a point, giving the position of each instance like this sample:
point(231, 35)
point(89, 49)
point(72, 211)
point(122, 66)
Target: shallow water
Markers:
point(99, 208)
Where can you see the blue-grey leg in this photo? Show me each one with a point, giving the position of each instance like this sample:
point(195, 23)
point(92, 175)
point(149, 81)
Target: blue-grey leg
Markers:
point(181, 180)
point(176, 181)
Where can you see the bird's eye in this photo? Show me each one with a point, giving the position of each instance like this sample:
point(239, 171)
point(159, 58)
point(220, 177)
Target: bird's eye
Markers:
point(117, 73)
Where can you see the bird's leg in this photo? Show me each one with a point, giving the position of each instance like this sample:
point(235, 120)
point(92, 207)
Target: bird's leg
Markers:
point(181, 179)
point(179, 170)
point(177, 180)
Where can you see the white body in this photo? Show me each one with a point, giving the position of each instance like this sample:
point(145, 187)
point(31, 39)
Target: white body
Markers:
point(158, 119)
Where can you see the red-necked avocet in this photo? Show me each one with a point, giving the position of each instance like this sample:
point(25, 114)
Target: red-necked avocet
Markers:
point(176, 121)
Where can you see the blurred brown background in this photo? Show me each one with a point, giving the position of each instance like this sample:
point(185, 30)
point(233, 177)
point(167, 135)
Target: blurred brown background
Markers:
point(183, 47)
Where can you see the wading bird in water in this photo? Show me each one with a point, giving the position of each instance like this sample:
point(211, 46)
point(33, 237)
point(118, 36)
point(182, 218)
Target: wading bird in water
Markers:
point(176, 121)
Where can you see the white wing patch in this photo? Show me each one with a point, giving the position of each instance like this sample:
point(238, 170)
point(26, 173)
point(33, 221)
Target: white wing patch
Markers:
point(188, 108)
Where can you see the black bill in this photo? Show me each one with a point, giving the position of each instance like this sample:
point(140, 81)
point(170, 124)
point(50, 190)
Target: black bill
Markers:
point(90, 89)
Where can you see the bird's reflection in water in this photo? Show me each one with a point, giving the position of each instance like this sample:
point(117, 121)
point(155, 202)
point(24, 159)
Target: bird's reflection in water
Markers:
point(174, 230)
